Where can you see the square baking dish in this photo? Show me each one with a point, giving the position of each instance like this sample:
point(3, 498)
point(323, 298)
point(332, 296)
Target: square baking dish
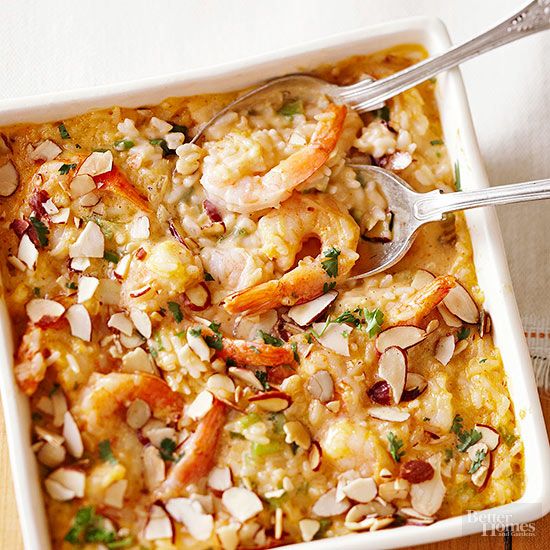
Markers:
point(489, 257)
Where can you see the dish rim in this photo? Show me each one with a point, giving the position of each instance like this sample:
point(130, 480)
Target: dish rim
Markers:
point(432, 34)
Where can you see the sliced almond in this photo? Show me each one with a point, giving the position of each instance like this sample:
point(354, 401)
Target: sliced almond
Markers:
point(305, 314)
point(81, 185)
point(415, 385)
point(44, 404)
point(191, 514)
point(39, 309)
point(80, 264)
point(17, 263)
point(120, 322)
point(450, 319)
point(445, 349)
point(9, 179)
point(123, 267)
point(138, 360)
point(46, 150)
point(80, 322)
point(309, 528)
point(141, 291)
point(99, 162)
point(402, 336)
point(142, 322)
point(71, 478)
point(51, 455)
point(315, 456)
point(327, 505)
point(49, 436)
point(219, 479)
point(90, 243)
point(272, 401)
point(246, 376)
point(138, 414)
point(489, 436)
point(158, 525)
point(361, 490)
point(86, 288)
point(241, 503)
point(27, 252)
point(198, 345)
point(421, 279)
point(321, 386)
point(114, 494)
point(334, 337)
point(393, 490)
point(60, 407)
point(198, 297)
point(61, 217)
point(297, 433)
point(390, 414)
point(58, 491)
point(72, 436)
point(154, 467)
point(89, 199)
point(460, 303)
point(427, 497)
point(392, 367)
point(200, 405)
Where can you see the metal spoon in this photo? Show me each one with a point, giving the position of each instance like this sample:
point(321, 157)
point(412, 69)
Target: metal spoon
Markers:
point(411, 210)
point(368, 94)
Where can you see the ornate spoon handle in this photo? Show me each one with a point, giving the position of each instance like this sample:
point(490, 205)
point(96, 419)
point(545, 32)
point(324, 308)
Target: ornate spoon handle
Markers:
point(365, 95)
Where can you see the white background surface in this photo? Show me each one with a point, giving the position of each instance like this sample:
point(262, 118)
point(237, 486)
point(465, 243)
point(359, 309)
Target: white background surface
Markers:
point(48, 45)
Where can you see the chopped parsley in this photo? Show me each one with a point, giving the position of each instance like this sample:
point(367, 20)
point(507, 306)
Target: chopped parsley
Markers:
point(123, 144)
point(36, 417)
point(71, 285)
point(448, 455)
point(215, 327)
point(383, 113)
point(163, 145)
point(271, 340)
point(458, 185)
point(436, 142)
point(66, 168)
point(111, 256)
point(105, 452)
point(330, 265)
point(261, 375)
point(54, 389)
point(457, 424)
point(467, 439)
point(214, 341)
point(395, 447)
point(36, 291)
point(63, 132)
point(167, 449)
point(291, 108)
point(179, 128)
point(41, 230)
point(294, 347)
point(374, 320)
point(195, 331)
point(463, 333)
point(175, 310)
point(483, 360)
point(508, 437)
point(328, 286)
point(89, 527)
point(478, 461)
point(208, 277)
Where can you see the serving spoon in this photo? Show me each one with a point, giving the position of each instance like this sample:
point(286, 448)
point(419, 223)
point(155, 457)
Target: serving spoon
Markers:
point(369, 94)
point(411, 210)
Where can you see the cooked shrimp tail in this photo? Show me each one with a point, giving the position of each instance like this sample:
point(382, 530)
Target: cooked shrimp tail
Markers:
point(116, 182)
point(283, 231)
point(199, 454)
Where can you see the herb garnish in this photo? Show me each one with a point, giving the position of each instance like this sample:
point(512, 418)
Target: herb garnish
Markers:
point(111, 256)
point(261, 375)
point(179, 128)
point(105, 452)
point(163, 145)
point(294, 347)
point(64, 169)
point(291, 108)
point(271, 340)
point(71, 285)
point(330, 265)
point(466, 438)
point(328, 286)
point(436, 142)
point(208, 277)
point(383, 113)
point(463, 333)
point(478, 461)
point(167, 448)
point(123, 144)
point(36, 291)
point(175, 310)
point(195, 331)
point(63, 131)
point(395, 447)
point(88, 527)
point(216, 341)
point(41, 230)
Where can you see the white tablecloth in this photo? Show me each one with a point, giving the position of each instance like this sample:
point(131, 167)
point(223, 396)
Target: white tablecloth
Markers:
point(48, 45)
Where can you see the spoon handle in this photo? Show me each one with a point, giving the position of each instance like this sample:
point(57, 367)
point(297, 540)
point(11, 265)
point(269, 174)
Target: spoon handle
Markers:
point(365, 95)
point(432, 207)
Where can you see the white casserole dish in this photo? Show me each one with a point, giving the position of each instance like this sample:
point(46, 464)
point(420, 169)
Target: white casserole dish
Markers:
point(490, 263)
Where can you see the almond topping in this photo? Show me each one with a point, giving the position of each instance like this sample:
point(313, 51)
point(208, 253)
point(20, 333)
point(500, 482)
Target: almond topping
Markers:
point(72, 436)
point(198, 345)
point(58, 491)
point(159, 525)
point(450, 320)
point(90, 243)
point(297, 433)
point(460, 303)
point(246, 376)
point(334, 337)
point(427, 497)
point(153, 466)
point(46, 150)
point(86, 288)
point(120, 322)
point(391, 414)
point(305, 314)
point(321, 386)
point(27, 252)
point(70, 478)
point(80, 322)
point(9, 179)
point(123, 266)
point(241, 503)
point(138, 414)
point(201, 405)
point(191, 514)
point(51, 455)
point(97, 163)
point(308, 529)
point(39, 309)
point(392, 367)
point(315, 455)
point(219, 479)
point(114, 494)
point(327, 505)
point(61, 217)
point(272, 401)
point(361, 490)
point(81, 185)
point(489, 436)
point(445, 349)
point(142, 322)
point(403, 336)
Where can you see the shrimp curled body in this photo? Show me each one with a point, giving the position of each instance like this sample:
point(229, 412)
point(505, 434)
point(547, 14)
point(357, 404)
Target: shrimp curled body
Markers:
point(283, 232)
point(252, 193)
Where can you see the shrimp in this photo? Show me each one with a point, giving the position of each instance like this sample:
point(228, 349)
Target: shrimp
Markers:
point(105, 394)
point(30, 364)
point(424, 301)
point(116, 182)
point(283, 231)
point(252, 193)
point(199, 454)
